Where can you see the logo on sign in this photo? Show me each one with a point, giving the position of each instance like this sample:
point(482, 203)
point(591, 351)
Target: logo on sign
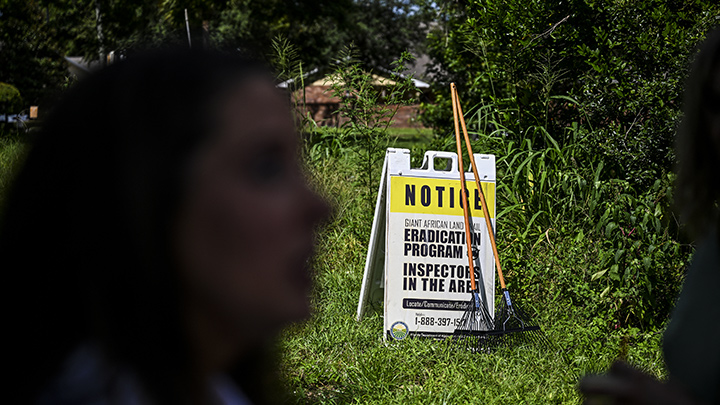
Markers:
point(399, 330)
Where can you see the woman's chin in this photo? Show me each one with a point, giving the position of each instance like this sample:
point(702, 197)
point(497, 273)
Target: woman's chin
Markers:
point(299, 312)
point(289, 312)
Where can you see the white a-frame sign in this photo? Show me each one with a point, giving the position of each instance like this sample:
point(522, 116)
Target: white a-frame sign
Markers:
point(417, 263)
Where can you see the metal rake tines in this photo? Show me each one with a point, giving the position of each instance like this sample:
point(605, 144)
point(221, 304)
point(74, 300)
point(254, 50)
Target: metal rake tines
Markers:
point(473, 326)
point(517, 328)
point(476, 342)
point(487, 341)
point(530, 336)
point(478, 332)
point(476, 318)
point(512, 316)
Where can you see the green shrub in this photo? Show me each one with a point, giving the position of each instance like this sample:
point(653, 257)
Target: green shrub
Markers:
point(623, 63)
point(11, 154)
point(560, 193)
point(10, 99)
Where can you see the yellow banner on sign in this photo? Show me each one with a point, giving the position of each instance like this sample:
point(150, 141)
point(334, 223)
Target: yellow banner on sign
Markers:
point(420, 195)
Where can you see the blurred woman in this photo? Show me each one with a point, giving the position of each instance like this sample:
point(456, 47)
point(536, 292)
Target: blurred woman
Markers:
point(157, 237)
point(691, 343)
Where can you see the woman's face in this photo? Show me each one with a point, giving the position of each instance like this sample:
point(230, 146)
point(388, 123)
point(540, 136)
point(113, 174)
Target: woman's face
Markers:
point(246, 228)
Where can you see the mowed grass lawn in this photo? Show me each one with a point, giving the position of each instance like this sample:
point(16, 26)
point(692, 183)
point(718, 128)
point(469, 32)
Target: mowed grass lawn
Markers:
point(410, 137)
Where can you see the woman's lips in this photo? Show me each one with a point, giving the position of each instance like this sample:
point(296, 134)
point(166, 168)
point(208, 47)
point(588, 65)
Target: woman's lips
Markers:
point(302, 268)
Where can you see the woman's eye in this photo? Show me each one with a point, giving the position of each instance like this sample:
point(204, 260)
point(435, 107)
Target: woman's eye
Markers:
point(268, 167)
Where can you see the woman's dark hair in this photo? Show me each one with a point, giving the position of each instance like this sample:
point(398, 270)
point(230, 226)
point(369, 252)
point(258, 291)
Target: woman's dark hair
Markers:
point(85, 237)
point(698, 180)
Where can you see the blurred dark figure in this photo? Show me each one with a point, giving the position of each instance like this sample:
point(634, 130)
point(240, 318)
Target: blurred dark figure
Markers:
point(692, 339)
point(157, 238)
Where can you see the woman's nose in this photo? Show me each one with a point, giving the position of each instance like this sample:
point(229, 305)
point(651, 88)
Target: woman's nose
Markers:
point(317, 210)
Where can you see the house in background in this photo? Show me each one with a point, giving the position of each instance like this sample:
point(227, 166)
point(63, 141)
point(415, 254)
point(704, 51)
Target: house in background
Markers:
point(322, 105)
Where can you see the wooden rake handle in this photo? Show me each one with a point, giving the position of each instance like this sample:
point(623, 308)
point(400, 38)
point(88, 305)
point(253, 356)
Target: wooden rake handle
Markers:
point(457, 110)
point(464, 202)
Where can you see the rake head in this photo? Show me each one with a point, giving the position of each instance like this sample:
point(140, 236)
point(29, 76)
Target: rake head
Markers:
point(515, 327)
point(511, 327)
point(476, 318)
point(474, 325)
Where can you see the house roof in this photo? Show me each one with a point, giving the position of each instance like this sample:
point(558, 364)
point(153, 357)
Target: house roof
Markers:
point(332, 80)
point(81, 68)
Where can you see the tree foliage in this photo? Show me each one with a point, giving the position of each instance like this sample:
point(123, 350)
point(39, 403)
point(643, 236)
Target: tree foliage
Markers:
point(579, 100)
point(621, 66)
point(29, 50)
point(36, 34)
point(10, 99)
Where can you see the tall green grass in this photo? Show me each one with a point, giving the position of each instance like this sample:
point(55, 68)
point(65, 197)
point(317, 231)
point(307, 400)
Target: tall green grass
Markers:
point(332, 358)
point(11, 153)
point(597, 262)
point(553, 191)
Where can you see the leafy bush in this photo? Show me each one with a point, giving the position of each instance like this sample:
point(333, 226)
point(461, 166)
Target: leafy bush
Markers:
point(579, 101)
point(560, 193)
point(623, 64)
point(12, 151)
point(10, 100)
